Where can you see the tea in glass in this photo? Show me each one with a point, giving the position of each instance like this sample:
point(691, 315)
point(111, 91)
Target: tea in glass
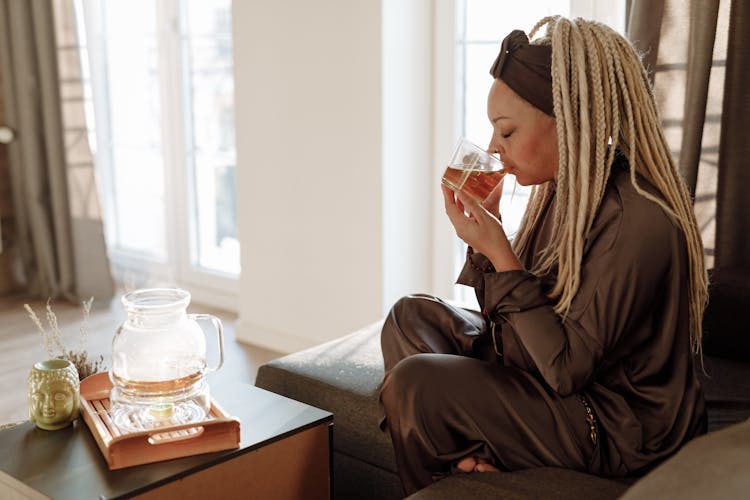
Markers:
point(473, 171)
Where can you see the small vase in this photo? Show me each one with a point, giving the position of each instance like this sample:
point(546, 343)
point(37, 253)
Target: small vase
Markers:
point(53, 394)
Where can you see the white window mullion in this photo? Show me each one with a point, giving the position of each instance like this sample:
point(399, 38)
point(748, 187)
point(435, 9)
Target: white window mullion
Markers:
point(172, 134)
point(447, 102)
point(209, 286)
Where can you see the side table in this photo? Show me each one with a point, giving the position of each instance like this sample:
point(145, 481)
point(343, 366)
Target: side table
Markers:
point(285, 453)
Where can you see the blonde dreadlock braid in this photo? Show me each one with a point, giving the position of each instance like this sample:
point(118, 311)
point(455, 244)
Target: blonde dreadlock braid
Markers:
point(603, 101)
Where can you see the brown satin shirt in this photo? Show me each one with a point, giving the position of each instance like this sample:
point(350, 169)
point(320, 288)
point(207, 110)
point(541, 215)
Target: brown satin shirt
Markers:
point(625, 341)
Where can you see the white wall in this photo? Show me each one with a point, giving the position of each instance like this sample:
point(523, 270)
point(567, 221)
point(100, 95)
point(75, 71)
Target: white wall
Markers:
point(310, 156)
point(407, 127)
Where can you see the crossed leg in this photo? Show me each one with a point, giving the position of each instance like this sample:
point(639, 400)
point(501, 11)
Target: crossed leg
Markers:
point(452, 412)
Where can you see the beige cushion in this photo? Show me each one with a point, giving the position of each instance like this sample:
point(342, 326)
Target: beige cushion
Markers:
point(715, 466)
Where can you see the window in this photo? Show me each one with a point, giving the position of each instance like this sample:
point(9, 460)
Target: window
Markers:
point(160, 93)
point(479, 26)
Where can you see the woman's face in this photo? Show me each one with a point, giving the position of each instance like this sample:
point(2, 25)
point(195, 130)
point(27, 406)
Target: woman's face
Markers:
point(525, 137)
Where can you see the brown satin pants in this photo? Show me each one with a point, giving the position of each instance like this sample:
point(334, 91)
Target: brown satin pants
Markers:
point(446, 396)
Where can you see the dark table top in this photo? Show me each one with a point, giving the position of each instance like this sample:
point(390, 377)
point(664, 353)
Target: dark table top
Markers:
point(68, 464)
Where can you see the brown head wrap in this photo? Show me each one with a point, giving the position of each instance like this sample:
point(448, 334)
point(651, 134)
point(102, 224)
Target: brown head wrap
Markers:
point(526, 69)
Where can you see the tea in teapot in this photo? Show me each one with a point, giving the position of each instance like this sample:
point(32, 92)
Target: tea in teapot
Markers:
point(159, 362)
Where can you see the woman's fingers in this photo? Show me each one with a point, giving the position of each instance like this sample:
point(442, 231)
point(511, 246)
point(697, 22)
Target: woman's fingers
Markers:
point(453, 206)
point(473, 223)
point(492, 202)
point(479, 229)
point(448, 194)
point(459, 204)
point(448, 197)
point(471, 206)
point(456, 211)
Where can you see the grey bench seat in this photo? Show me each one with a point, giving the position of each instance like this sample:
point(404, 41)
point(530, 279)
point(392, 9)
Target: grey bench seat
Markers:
point(344, 376)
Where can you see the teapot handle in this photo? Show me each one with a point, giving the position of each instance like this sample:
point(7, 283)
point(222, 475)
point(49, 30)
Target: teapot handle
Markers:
point(219, 329)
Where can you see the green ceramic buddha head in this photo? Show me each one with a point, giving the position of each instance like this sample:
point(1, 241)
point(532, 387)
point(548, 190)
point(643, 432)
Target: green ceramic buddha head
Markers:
point(53, 394)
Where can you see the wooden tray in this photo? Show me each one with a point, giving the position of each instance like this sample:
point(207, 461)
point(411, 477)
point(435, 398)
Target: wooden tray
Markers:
point(218, 432)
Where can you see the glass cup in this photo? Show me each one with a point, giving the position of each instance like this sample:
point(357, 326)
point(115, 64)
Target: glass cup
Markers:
point(473, 171)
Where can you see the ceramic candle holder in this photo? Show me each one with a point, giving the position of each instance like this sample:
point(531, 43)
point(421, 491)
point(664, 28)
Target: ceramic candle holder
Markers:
point(53, 394)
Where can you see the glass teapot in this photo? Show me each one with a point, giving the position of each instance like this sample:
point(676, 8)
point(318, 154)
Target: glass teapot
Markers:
point(159, 362)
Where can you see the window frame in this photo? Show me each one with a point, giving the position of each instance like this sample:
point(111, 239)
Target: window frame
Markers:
point(133, 269)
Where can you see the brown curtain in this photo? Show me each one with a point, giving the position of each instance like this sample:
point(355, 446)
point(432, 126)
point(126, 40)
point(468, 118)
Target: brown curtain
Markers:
point(696, 52)
point(60, 240)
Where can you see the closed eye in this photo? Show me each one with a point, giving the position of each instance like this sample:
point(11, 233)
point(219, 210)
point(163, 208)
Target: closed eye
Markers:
point(505, 136)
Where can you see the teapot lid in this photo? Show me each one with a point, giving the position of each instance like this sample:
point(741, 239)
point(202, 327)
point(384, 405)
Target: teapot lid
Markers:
point(156, 300)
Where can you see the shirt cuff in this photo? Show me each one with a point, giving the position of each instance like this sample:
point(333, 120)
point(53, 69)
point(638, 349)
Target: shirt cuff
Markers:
point(475, 267)
point(513, 291)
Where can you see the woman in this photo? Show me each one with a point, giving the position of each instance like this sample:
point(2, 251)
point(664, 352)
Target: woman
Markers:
point(581, 356)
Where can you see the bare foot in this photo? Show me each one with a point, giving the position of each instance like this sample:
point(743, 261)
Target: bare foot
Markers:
point(473, 464)
point(485, 467)
point(466, 464)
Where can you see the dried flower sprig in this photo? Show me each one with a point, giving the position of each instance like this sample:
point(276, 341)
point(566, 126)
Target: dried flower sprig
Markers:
point(52, 340)
point(54, 327)
point(82, 363)
point(86, 306)
point(46, 338)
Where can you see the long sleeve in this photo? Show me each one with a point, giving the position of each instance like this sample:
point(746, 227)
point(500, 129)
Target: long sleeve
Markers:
point(627, 253)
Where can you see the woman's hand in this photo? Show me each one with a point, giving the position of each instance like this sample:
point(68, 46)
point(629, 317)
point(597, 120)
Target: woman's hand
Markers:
point(492, 203)
point(480, 229)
